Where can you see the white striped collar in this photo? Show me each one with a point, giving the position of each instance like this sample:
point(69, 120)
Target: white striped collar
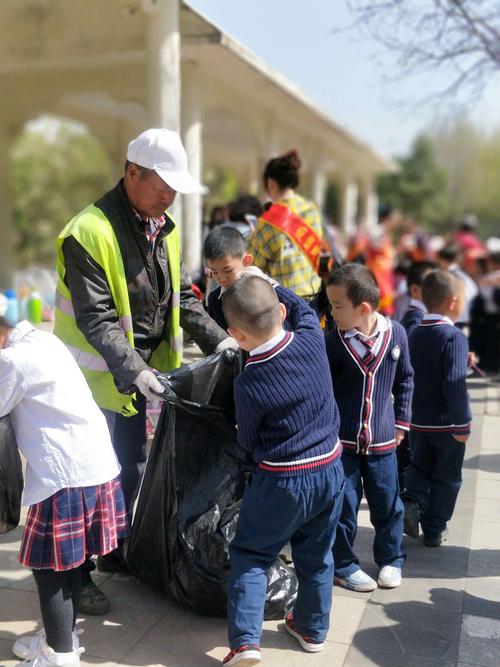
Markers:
point(269, 344)
point(437, 317)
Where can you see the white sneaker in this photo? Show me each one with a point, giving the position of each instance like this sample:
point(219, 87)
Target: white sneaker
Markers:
point(389, 576)
point(49, 658)
point(30, 646)
point(357, 581)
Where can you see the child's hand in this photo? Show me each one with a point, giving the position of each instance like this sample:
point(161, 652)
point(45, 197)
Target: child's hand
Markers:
point(400, 434)
point(471, 360)
point(461, 438)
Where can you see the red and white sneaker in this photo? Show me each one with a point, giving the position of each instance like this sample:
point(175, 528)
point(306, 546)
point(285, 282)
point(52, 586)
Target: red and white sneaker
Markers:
point(308, 644)
point(245, 656)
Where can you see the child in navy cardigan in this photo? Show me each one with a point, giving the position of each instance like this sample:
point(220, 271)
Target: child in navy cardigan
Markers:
point(416, 310)
point(225, 251)
point(410, 321)
point(288, 420)
point(373, 382)
point(441, 416)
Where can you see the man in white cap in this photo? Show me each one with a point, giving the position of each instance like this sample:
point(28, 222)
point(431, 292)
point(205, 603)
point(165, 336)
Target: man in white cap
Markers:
point(122, 296)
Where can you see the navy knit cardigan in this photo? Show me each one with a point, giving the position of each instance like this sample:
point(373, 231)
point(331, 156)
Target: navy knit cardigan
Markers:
point(372, 400)
point(439, 354)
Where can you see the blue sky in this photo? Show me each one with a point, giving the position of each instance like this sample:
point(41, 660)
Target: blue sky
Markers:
point(346, 74)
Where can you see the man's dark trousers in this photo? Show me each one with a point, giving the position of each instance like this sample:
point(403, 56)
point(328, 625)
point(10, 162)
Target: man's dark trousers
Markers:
point(434, 477)
point(128, 435)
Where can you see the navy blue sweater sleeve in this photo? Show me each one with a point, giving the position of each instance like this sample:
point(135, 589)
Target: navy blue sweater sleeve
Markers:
point(247, 418)
point(402, 389)
point(454, 366)
point(300, 316)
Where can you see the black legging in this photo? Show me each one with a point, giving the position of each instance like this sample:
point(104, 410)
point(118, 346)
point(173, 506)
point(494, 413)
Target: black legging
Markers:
point(59, 593)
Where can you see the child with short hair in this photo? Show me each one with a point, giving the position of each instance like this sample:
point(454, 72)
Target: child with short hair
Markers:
point(225, 251)
point(373, 382)
point(441, 415)
point(410, 320)
point(226, 255)
point(287, 418)
point(72, 482)
point(416, 310)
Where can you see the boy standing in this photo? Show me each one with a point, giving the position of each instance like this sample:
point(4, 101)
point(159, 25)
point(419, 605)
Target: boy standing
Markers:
point(410, 320)
point(441, 416)
point(287, 418)
point(370, 366)
point(416, 274)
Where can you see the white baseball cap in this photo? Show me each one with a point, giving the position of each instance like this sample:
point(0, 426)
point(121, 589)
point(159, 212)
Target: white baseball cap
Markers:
point(162, 151)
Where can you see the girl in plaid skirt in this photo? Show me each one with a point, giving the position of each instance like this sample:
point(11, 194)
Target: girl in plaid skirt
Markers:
point(72, 487)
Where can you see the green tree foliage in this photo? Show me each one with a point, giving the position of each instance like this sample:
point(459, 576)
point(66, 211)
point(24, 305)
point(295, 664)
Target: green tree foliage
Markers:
point(53, 177)
point(223, 187)
point(471, 159)
point(418, 188)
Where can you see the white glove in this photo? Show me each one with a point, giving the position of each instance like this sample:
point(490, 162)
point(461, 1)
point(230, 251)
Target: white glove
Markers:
point(255, 271)
point(148, 385)
point(228, 343)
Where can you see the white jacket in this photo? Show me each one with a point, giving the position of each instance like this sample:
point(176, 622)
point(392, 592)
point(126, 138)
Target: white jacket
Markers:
point(59, 428)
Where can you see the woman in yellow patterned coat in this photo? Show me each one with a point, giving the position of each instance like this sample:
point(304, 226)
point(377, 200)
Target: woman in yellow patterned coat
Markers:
point(286, 241)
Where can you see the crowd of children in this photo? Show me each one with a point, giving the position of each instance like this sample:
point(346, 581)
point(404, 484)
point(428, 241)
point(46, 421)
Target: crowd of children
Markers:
point(389, 393)
point(322, 414)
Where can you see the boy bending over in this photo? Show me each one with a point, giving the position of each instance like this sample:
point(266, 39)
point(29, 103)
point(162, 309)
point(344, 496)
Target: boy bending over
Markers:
point(287, 418)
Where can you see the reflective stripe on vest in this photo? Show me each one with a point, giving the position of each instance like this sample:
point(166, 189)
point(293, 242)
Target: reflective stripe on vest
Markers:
point(91, 362)
point(66, 306)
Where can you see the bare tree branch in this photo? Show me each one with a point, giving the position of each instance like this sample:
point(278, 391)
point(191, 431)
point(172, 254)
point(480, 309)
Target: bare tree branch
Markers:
point(460, 37)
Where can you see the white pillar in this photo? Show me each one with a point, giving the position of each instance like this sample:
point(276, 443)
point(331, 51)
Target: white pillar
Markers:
point(348, 191)
point(6, 227)
point(369, 204)
point(250, 179)
point(318, 188)
point(192, 139)
point(164, 71)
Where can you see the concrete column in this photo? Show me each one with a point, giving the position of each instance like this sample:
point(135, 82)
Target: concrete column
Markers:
point(369, 204)
point(164, 71)
point(250, 179)
point(192, 139)
point(7, 262)
point(348, 191)
point(319, 184)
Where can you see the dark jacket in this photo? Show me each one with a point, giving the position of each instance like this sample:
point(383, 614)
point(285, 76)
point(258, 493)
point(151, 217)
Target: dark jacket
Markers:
point(411, 319)
point(149, 289)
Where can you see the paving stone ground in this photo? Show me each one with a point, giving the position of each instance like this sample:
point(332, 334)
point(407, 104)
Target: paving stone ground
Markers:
point(445, 614)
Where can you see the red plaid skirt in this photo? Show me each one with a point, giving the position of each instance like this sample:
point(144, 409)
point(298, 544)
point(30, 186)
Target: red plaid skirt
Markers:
point(62, 530)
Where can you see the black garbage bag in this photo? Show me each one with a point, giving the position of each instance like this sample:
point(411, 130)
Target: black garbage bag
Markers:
point(11, 478)
point(189, 501)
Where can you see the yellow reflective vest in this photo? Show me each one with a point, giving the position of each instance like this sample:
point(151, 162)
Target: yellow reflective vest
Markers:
point(95, 234)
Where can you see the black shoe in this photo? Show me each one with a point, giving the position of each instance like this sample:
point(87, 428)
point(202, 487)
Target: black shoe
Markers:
point(436, 539)
point(111, 562)
point(412, 518)
point(93, 601)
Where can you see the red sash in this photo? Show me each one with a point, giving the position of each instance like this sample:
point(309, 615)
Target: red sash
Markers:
point(297, 230)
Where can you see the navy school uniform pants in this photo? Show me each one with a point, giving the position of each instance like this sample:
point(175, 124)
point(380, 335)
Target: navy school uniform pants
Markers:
point(434, 477)
point(303, 510)
point(377, 476)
